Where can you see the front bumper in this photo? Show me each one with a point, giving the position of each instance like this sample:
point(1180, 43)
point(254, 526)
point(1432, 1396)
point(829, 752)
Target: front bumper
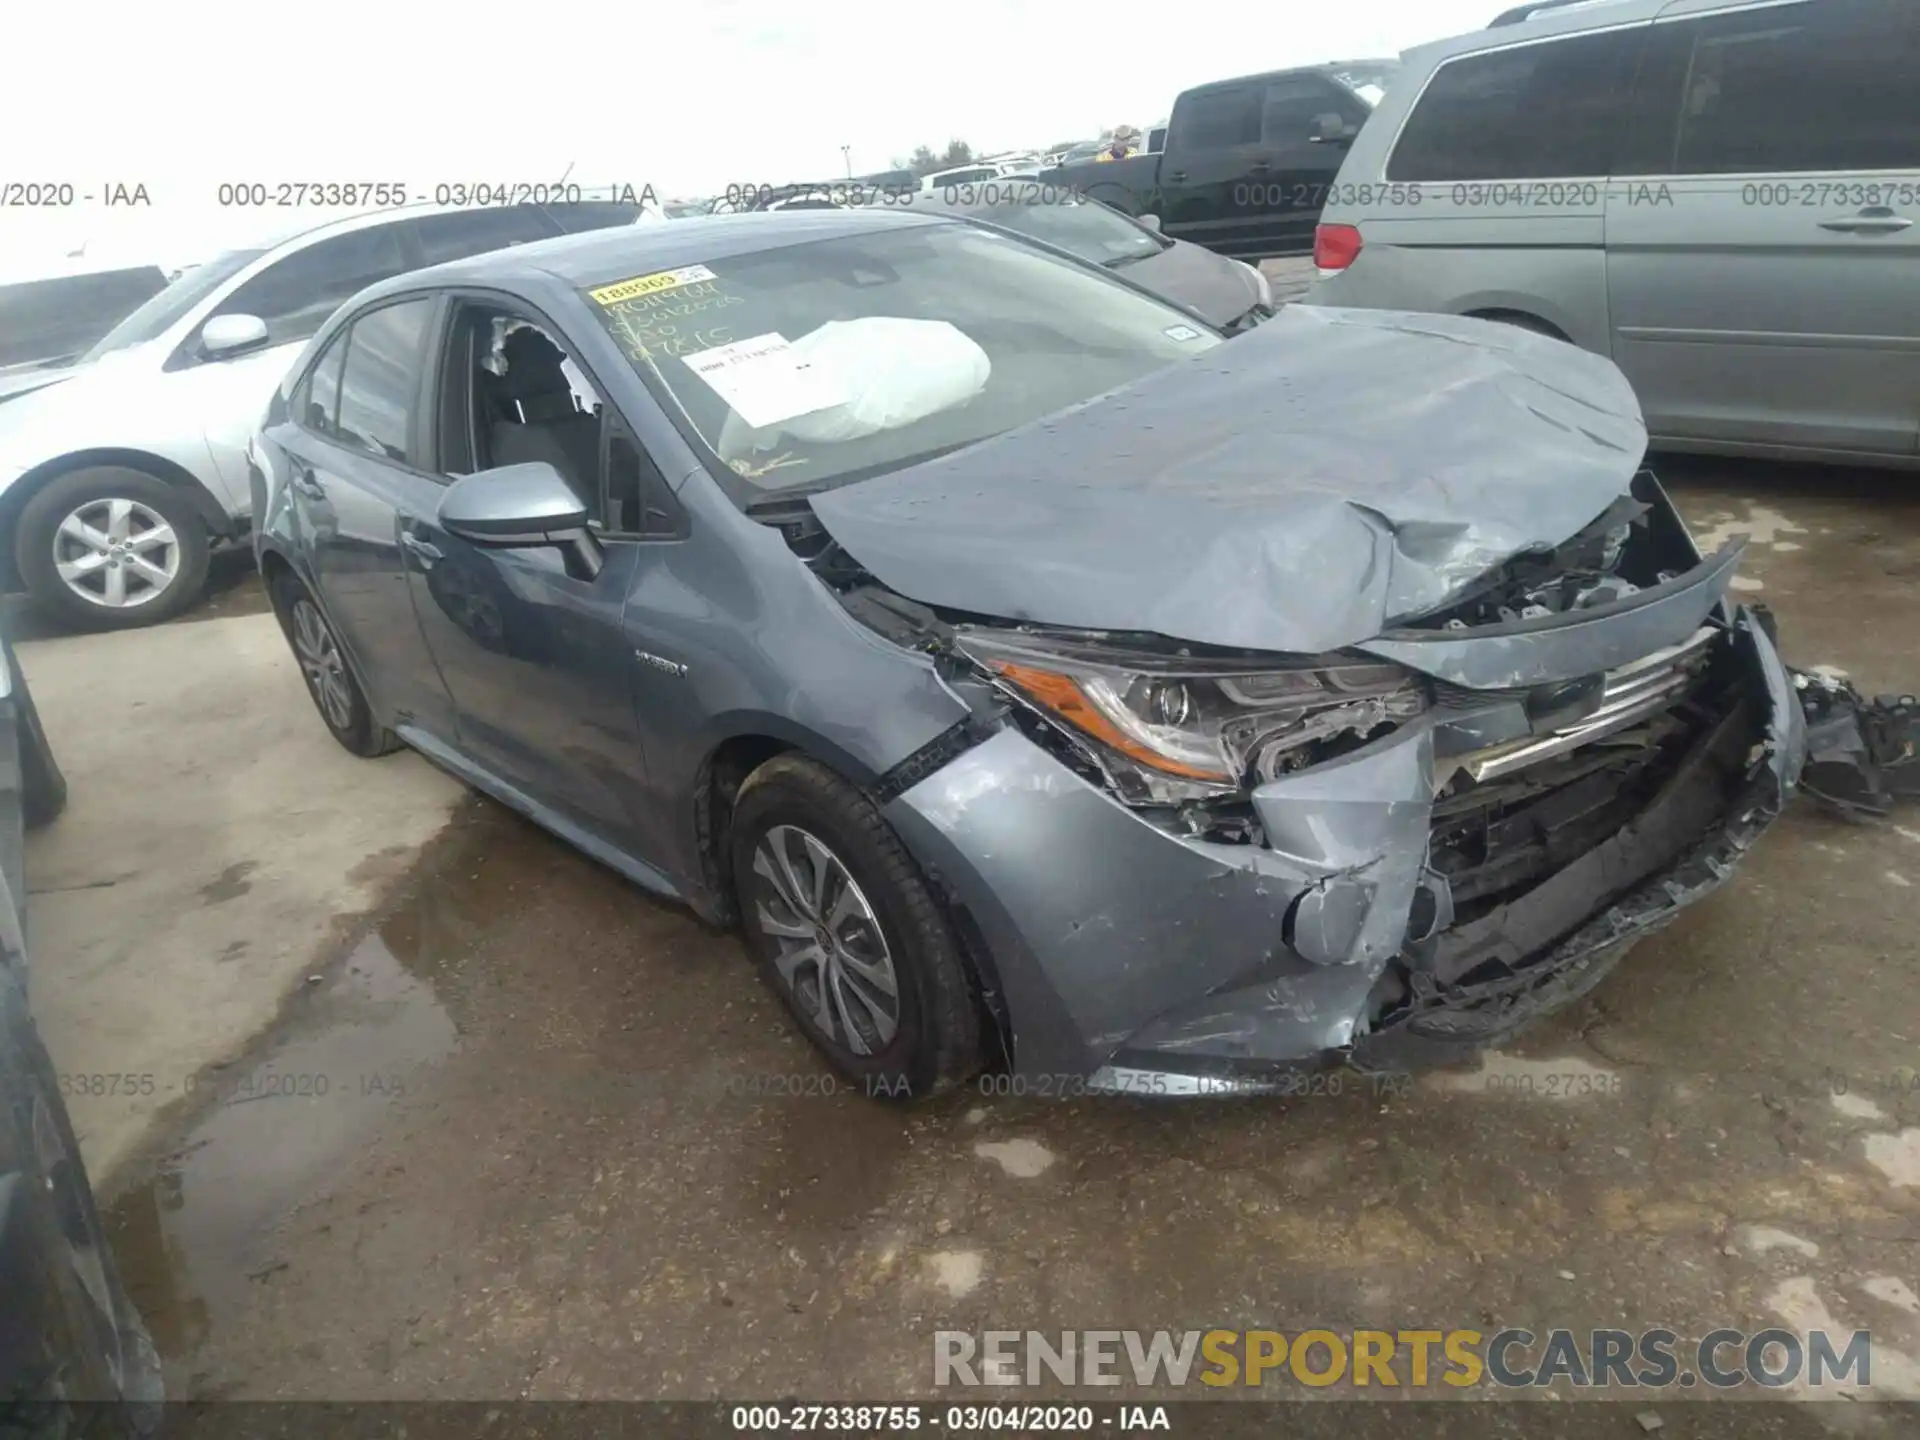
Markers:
point(1137, 959)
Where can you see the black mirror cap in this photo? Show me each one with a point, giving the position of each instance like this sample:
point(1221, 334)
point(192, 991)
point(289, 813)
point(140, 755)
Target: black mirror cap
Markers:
point(524, 504)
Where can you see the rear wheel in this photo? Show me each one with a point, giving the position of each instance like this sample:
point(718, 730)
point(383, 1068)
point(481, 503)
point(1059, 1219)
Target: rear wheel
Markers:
point(848, 933)
point(335, 692)
point(111, 548)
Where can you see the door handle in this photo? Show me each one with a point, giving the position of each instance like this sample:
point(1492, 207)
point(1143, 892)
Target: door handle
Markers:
point(425, 549)
point(1260, 167)
point(305, 483)
point(1876, 220)
point(1176, 174)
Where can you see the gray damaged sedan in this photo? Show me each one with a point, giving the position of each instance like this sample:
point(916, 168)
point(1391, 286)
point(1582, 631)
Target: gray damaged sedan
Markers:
point(1033, 677)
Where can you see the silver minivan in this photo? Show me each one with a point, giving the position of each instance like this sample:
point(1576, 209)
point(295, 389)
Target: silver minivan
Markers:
point(1719, 196)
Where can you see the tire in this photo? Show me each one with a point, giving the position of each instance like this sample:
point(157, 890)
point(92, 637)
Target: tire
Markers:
point(892, 926)
point(330, 681)
point(99, 1348)
point(149, 501)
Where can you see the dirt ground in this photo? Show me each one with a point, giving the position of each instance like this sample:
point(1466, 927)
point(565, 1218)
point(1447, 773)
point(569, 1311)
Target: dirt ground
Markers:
point(506, 1145)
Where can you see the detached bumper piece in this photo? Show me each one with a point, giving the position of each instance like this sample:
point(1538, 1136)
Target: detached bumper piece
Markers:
point(1863, 756)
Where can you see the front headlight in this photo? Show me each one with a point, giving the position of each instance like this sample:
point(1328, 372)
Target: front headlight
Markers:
point(1173, 728)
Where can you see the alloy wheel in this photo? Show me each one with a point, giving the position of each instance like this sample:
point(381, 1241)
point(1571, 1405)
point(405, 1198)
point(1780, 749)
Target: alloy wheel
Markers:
point(320, 662)
point(116, 553)
point(829, 949)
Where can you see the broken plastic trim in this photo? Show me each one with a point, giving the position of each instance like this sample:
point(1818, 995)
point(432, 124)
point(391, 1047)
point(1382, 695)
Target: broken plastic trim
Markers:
point(938, 753)
point(1862, 755)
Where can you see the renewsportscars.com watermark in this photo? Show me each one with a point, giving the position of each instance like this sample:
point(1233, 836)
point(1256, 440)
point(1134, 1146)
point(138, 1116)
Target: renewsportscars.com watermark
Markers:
point(1509, 1359)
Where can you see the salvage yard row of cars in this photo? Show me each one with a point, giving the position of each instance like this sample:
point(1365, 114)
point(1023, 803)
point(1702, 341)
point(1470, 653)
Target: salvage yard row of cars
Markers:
point(1041, 668)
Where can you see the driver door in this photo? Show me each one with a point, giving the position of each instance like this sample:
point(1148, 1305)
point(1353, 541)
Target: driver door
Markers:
point(531, 651)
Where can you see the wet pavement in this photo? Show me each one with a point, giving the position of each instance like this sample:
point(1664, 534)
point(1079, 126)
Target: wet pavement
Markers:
point(534, 1134)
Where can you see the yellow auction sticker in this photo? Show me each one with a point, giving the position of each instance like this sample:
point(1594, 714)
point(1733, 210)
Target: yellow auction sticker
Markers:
point(651, 284)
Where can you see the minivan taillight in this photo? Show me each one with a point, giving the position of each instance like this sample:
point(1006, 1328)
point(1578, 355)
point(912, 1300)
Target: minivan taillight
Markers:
point(1335, 246)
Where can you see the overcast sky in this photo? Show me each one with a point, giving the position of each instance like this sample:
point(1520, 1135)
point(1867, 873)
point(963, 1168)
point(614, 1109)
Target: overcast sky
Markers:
point(184, 95)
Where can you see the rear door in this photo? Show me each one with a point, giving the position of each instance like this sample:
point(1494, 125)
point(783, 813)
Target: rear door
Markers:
point(1763, 254)
point(1243, 173)
point(1496, 184)
point(355, 440)
point(1307, 120)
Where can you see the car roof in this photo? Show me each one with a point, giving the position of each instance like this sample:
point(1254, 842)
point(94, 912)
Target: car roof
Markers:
point(300, 235)
point(1595, 11)
point(1559, 19)
point(598, 257)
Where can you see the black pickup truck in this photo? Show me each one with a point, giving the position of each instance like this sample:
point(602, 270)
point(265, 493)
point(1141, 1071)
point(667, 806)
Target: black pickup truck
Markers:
point(1247, 163)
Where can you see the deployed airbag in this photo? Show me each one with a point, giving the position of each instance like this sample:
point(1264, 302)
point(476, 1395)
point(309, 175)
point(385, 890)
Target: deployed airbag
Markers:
point(894, 372)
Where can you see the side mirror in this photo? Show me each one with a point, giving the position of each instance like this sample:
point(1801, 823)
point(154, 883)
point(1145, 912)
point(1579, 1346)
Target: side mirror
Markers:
point(1330, 129)
point(516, 506)
point(225, 336)
point(1152, 222)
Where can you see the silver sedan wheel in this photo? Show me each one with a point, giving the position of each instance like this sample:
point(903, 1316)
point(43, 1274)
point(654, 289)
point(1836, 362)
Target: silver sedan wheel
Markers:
point(320, 662)
point(116, 553)
point(830, 951)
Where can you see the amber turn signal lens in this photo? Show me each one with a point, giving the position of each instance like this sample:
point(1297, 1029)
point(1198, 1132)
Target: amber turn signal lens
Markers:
point(1060, 695)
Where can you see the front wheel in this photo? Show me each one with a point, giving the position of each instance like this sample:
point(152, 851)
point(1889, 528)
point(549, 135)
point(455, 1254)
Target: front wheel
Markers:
point(109, 548)
point(848, 933)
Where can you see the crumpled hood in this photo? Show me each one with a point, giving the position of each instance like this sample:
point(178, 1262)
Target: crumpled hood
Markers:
point(1300, 488)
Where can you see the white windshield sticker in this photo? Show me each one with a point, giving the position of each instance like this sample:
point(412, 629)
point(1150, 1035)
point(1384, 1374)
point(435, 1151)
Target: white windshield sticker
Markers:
point(1181, 332)
point(765, 382)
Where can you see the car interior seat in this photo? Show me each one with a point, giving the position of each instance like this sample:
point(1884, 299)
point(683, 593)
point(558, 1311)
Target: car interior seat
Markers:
point(531, 413)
